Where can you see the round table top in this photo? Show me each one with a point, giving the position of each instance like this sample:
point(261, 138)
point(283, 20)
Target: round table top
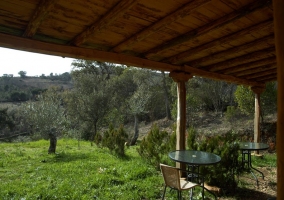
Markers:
point(253, 146)
point(194, 157)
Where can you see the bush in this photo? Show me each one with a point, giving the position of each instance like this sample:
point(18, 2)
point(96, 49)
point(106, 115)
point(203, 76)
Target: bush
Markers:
point(154, 147)
point(226, 146)
point(19, 96)
point(191, 139)
point(6, 120)
point(114, 140)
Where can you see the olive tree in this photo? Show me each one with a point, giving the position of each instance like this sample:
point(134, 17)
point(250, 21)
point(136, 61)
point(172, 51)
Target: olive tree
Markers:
point(245, 98)
point(23, 74)
point(90, 99)
point(5, 119)
point(46, 116)
point(135, 95)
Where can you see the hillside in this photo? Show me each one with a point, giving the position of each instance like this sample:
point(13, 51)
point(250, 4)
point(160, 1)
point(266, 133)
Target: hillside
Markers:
point(18, 89)
point(209, 123)
point(37, 82)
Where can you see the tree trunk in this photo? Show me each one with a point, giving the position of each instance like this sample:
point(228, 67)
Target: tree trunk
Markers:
point(93, 133)
point(53, 142)
point(136, 131)
point(168, 110)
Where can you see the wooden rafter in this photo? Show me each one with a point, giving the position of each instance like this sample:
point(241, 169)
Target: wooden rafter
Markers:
point(249, 65)
point(267, 77)
point(177, 15)
point(92, 54)
point(116, 12)
point(270, 79)
point(260, 74)
point(244, 73)
point(178, 59)
point(210, 27)
point(218, 76)
point(40, 14)
point(227, 53)
point(240, 60)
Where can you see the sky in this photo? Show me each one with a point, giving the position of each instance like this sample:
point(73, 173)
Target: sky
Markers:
point(34, 64)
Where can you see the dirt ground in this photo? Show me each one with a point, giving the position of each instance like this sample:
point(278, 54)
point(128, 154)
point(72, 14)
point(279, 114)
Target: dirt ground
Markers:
point(248, 189)
point(211, 123)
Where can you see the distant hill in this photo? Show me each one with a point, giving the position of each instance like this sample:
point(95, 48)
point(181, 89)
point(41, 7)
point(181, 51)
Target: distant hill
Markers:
point(15, 89)
point(39, 82)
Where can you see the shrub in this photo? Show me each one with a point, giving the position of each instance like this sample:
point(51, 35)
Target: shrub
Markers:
point(6, 120)
point(191, 139)
point(226, 146)
point(154, 147)
point(114, 140)
point(19, 96)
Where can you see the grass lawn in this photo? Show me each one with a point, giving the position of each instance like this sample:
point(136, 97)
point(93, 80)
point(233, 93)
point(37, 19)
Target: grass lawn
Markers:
point(82, 171)
point(75, 172)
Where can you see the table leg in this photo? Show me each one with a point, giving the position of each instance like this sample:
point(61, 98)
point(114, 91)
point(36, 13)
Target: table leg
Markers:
point(195, 178)
point(250, 167)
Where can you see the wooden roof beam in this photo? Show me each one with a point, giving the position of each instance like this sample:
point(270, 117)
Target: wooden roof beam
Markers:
point(272, 77)
point(117, 11)
point(261, 74)
point(258, 69)
point(255, 6)
point(26, 44)
point(218, 76)
point(161, 24)
point(240, 60)
point(249, 65)
point(40, 14)
point(178, 59)
point(226, 54)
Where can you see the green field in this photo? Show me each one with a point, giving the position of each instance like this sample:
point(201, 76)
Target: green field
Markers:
point(75, 172)
point(82, 171)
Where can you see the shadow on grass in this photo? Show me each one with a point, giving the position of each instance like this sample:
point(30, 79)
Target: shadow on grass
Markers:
point(67, 157)
point(248, 194)
point(70, 157)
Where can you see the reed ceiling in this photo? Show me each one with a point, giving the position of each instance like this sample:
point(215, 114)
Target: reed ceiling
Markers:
point(230, 40)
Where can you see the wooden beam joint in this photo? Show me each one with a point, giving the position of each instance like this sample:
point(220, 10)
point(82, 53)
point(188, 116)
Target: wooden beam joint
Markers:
point(180, 76)
point(257, 89)
point(40, 14)
point(119, 10)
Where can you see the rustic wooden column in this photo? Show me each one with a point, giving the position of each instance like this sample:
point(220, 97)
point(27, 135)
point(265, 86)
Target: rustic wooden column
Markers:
point(278, 10)
point(181, 78)
point(257, 109)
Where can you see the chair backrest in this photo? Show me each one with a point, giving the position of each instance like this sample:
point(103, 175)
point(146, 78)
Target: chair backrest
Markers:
point(171, 176)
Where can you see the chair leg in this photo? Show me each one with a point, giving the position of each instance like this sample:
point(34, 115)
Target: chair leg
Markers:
point(190, 193)
point(164, 192)
point(179, 195)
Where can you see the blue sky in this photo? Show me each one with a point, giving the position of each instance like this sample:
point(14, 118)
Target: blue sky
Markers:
point(13, 61)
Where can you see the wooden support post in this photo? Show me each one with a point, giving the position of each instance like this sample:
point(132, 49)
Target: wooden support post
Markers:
point(181, 78)
point(257, 111)
point(278, 10)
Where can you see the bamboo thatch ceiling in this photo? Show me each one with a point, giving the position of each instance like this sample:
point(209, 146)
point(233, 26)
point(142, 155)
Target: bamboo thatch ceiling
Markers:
point(231, 40)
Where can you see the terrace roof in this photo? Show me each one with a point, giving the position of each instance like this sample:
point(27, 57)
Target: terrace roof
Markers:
point(230, 40)
point(219, 39)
